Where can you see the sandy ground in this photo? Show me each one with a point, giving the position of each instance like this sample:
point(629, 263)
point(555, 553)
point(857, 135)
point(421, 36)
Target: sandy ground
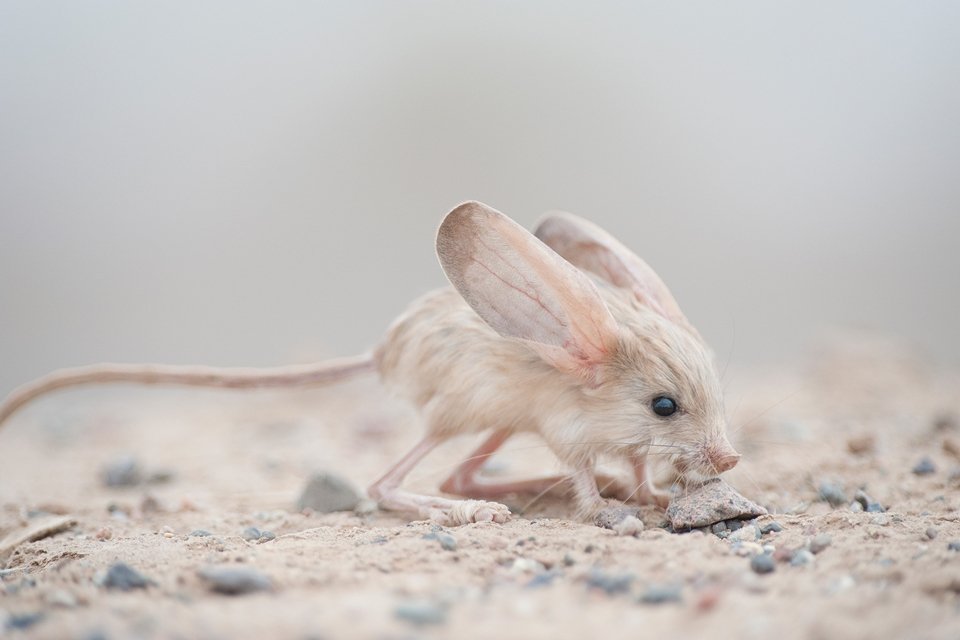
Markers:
point(858, 416)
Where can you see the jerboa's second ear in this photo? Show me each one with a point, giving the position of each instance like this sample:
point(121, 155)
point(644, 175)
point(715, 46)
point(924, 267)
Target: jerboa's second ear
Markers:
point(523, 289)
point(589, 247)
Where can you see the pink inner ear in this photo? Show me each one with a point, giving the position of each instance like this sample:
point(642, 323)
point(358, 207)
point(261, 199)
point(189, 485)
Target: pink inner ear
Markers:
point(523, 289)
point(592, 249)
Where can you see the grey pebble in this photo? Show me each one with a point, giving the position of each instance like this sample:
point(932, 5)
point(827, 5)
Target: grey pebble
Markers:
point(123, 471)
point(266, 536)
point(542, 579)
point(199, 533)
point(748, 533)
point(770, 527)
point(820, 542)
point(233, 580)
point(954, 546)
point(762, 563)
point(832, 493)
point(801, 558)
point(734, 525)
point(609, 583)
point(931, 533)
point(326, 492)
point(20, 621)
point(924, 467)
point(660, 594)
point(718, 527)
point(421, 612)
point(568, 560)
point(251, 533)
point(124, 578)
point(447, 541)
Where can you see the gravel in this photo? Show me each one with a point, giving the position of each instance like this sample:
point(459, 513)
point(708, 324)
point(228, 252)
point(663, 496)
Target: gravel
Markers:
point(660, 594)
point(762, 563)
point(832, 493)
point(770, 527)
point(421, 612)
point(924, 467)
point(326, 493)
point(609, 583)
point(820, 542)
point(123, 471)
point(801, 558)
point(231, 580)
point(122, 577)
point(199, 533)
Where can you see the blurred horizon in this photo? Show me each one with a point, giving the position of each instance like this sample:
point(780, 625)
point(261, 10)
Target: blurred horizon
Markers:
point(256, 184)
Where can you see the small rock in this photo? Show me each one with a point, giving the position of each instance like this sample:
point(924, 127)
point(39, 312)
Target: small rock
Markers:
point(568, 560)
point(421, 612)
point(199, 533)
point(150, 504)
point(326, 492)
point(544, 579)
point(881, 520)
point(660, 594)
point(609, 583)
point(856, 507)
point(954, 546)
point(609, 517)
point(266, 536)
point(762, 563)
point(710, 503)
point(123, 471)
point(832, 493)
point(447, 542)
point(526, 565)
point(629, 526)
point(924, 467)
point(748, 533)
point(785, 554)
point(234, 580)
point(746, 549)
point(770, 527)
point(718, 527)
point(734, 525)
point(801, 558)
point(861, 445)
point(104, 533)
point(124, 578)
point(251, 533)
point(931, 533)
point(19, 621)
point(61, 598)
point(161, 476)
point(820, 542)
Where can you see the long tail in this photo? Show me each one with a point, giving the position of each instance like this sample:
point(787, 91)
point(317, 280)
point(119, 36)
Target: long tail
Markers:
point(231, 378)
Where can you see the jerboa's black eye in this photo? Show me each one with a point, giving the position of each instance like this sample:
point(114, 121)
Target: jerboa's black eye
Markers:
point(664, 406)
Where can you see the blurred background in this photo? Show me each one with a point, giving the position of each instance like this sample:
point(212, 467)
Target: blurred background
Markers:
point(242, 183)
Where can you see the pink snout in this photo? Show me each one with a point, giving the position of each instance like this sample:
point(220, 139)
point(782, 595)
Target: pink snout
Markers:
point(725, 462)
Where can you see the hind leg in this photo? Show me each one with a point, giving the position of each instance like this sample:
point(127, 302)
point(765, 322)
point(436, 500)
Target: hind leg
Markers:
point(464, 481)
point(388, 494)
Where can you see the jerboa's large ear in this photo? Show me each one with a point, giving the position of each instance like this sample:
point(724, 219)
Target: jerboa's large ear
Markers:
point(523, 289)
point(592, 249)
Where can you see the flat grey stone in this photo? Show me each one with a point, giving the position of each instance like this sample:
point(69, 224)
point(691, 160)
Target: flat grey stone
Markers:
point(708, 504)
point(234, 580)
point(326, 492)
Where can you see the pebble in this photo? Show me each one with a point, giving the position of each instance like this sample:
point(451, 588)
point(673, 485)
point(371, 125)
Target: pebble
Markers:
point(931, 533)
point(447, 541)
point(266, 536)
point(708, 504)
point(832, 493)
point(820, 542)
point(544, 579)
point(881, 520)
point(954, 546)
point(762, 563)
point(326, 492)
point(860, 445)
point(734, 525)
point(23, 620)
point(867, 503)
point(770, 527)
point(199, 533)
point(629, 526)
point(123, 471)
point(610, 584)
point(232, 580)
point(121, 576)
point(103, 533)
point(718, 527)
point(251, 533)
point(801, 558)
point(421, 612)
point(746, 548)
point(748, 533)
point(660, 594)
point(924, 467)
